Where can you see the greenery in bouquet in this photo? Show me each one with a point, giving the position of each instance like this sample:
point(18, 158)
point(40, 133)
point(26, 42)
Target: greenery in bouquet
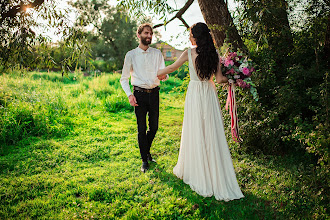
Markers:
point(238, 69)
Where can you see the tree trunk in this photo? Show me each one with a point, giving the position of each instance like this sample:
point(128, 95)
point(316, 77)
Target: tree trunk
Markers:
point(278, 28)
point(218, 18)
point(327, 43)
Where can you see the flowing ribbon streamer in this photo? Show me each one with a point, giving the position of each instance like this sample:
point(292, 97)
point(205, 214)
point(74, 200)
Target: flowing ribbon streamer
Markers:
point(231, 102)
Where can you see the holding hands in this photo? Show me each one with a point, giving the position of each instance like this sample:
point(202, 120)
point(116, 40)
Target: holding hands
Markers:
point(161, 77)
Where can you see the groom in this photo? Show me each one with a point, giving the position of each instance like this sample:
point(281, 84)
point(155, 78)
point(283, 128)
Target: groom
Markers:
point(142, 64)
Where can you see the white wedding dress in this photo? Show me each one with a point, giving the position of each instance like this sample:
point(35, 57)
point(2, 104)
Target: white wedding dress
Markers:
point(204, 159)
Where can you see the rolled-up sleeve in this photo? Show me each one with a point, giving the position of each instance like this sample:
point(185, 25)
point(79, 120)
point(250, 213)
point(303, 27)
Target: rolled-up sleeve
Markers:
point(125, 75)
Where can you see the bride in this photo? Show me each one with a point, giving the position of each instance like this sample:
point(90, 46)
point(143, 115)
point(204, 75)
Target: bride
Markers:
point(204, 159)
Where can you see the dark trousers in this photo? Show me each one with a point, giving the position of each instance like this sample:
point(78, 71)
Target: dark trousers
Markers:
point(148, 104)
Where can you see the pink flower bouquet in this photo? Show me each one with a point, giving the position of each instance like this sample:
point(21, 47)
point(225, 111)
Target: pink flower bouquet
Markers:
point(238, 69)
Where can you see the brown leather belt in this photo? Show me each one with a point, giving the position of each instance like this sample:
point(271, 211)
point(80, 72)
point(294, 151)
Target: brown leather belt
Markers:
point(136, 88)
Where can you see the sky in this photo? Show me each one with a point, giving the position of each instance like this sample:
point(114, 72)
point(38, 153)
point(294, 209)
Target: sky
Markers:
point(174, 33)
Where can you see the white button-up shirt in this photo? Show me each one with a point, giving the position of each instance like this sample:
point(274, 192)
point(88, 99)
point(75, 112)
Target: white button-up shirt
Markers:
point(142, 67)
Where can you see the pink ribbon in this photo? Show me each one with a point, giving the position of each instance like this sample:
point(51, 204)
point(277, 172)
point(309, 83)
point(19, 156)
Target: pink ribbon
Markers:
point(231, 102)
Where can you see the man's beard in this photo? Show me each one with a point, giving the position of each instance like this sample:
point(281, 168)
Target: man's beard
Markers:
point(144, 41)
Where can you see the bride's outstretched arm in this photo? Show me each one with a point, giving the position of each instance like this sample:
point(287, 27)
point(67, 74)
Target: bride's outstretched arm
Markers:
point(171, 68)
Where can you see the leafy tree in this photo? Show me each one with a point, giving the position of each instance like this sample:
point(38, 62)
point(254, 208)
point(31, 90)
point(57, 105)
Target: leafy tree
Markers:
point(20, 43)
point(66, 55)
point(292, 69)
point(113, 33)
point(17, 32)
point(215, 13)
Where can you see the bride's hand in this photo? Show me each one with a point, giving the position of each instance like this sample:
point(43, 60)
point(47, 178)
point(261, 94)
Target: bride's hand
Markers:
point(226, 85)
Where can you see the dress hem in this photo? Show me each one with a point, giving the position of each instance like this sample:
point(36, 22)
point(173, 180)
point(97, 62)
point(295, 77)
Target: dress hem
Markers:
point(207, 195)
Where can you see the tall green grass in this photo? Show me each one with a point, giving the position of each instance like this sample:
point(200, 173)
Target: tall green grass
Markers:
point(39, 104)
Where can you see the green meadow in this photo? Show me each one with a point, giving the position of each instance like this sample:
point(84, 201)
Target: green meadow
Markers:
point(68, 150)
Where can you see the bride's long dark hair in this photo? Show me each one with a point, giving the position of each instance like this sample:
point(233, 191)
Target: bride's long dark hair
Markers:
point(207, 59)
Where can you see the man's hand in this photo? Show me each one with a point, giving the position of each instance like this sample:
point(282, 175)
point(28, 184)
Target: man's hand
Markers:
point(132, 100)
point(162, 77)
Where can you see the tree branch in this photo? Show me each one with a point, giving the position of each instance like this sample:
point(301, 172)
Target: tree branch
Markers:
point(184, 22)
point(14, 10)
point(179, 15)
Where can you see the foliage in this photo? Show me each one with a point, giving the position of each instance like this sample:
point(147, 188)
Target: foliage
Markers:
point(19, 39)
point(104, 66)
point(180, 73)
point(113, 33)
point(292, 113)
point(283, 85)
point(73, 53)
point(171, 85)
point(138, 8)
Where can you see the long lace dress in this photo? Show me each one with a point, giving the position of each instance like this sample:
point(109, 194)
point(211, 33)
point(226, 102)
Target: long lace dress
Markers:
point(204, 159)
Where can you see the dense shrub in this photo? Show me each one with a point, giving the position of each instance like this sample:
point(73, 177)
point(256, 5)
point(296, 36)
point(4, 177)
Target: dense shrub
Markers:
point(105, 66)
point(291, 116)
point(292, 78)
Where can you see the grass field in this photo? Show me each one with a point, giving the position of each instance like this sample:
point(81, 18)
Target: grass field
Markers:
point(69, 151)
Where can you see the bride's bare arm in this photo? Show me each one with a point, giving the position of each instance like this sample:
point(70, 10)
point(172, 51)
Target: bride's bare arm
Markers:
point(171, 68)
point(219, 77)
